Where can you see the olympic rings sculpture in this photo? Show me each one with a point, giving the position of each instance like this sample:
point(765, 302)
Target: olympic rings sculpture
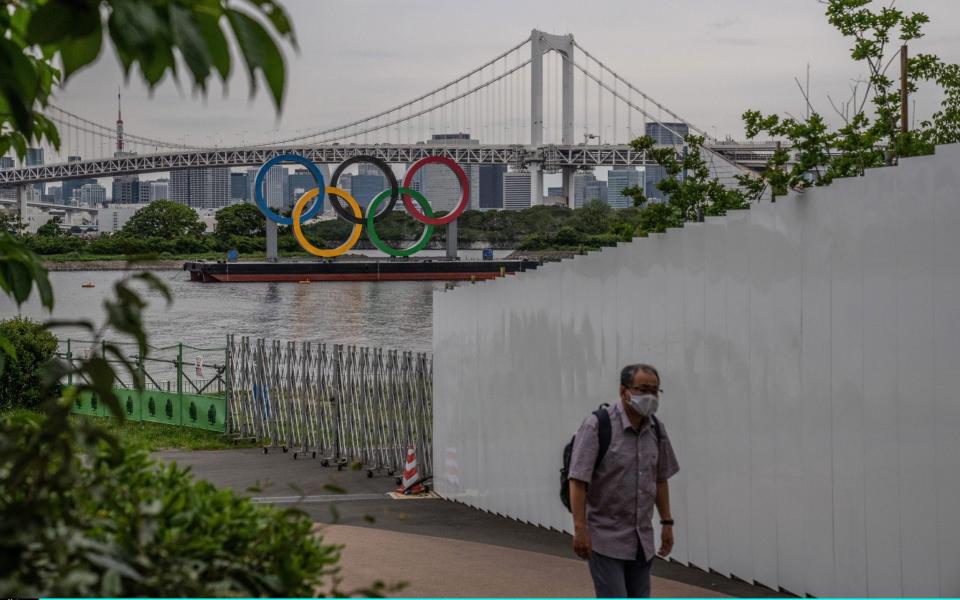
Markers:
point(352, 212)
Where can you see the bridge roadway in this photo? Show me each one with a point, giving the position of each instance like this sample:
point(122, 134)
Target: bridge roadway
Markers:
point(550, 158)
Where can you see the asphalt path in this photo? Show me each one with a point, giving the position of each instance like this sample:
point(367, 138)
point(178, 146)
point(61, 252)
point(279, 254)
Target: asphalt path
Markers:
point(351, 499)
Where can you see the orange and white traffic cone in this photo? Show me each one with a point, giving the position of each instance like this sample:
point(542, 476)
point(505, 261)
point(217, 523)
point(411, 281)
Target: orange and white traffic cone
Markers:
point(411, 480)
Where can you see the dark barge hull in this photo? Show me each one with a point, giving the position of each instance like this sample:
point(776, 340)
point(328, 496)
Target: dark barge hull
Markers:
point(367, 270)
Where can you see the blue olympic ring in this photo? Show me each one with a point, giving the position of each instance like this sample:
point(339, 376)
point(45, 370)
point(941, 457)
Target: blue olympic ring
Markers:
point(262, 201)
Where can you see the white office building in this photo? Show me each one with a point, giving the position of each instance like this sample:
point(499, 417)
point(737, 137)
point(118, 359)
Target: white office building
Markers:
point(93, 194)
point(201, 188)
point(440, 185)
point(160, 190)
point(274, 186)
point(516, 190)
point(115, 216)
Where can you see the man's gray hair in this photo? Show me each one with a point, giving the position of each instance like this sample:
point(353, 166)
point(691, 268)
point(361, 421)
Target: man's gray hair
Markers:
point(627, 373)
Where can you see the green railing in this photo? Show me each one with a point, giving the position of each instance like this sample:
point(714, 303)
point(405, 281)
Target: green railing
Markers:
point(177, 391)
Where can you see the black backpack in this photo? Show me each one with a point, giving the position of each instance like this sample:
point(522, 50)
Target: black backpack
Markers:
point(604, 432)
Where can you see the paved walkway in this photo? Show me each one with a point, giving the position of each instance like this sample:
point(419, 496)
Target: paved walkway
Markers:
point(441, 548)
point(434, 566)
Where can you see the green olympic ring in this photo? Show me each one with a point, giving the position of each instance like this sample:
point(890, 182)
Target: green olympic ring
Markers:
point(372, 230)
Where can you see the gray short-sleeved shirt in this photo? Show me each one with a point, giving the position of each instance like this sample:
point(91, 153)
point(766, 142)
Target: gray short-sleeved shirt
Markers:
point(622, 491)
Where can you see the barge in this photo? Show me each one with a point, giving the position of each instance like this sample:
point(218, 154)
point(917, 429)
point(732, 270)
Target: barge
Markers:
point(356, 270)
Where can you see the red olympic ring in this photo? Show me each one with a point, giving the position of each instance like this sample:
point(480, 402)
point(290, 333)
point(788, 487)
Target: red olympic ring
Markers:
point(464, 185)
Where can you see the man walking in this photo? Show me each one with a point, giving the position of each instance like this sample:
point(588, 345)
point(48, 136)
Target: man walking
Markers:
point(612, 500)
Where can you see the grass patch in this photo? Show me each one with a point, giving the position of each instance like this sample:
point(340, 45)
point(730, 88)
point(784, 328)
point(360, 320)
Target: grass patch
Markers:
point(156, 436)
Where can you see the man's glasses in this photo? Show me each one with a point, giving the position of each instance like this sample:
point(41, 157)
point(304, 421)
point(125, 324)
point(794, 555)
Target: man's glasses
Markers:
point(645, 389)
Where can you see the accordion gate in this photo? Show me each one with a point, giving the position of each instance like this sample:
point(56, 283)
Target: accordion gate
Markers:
point(343, 404)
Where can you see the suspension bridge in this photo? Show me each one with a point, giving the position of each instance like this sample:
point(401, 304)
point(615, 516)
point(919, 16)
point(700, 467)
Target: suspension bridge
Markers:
point(545, 105)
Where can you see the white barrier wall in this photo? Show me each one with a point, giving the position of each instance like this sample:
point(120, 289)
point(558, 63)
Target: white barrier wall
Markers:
point(810, 354)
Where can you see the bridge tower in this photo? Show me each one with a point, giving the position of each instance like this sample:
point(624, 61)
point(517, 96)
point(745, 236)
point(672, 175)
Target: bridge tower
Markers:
point(540, 44)
point(119, 125)
point(22, 205)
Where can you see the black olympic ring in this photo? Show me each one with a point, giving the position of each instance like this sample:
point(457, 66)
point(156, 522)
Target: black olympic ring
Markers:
point(391, 178)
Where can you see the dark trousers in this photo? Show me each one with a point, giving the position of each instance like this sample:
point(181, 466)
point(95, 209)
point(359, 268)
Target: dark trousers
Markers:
point(615, 578)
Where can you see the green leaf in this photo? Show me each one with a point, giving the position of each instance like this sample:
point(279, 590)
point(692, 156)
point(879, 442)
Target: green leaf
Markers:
point(20, 280)
point(189, 39)
point(59, 20)
point(81, 51)
point(216, 42)
point(260, 53)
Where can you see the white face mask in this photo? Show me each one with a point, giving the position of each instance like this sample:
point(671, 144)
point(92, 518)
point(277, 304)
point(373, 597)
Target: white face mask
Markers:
point(644, 404)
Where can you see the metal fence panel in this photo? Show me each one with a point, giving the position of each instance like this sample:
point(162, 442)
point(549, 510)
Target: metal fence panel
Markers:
point(342, 404)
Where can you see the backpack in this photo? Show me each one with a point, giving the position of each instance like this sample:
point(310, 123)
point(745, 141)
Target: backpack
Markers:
point(604, 432)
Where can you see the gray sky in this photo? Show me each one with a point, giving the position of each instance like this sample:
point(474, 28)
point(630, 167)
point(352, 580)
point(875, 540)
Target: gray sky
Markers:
point(707, 60)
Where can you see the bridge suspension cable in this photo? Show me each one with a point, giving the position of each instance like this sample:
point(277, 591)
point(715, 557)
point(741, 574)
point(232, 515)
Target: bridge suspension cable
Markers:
point(633, 88)
point(63, 117)
point(408, 104)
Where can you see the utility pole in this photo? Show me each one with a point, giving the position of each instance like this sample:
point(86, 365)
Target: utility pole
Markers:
point(904, 113)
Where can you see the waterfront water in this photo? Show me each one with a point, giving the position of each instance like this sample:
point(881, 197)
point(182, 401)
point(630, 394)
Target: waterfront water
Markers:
point(390, 314)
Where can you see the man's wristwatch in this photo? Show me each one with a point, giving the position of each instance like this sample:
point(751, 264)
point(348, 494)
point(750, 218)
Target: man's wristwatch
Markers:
point(666, 521)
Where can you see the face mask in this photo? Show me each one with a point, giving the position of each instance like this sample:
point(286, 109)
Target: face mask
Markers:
point(644, 404)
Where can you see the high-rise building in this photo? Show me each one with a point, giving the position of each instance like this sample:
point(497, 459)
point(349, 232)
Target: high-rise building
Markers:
point(671, 134)
point(617, 180)
point(587, 188)
point(346, 182)
point(490, 194)
point(126, 190)
point(239, 187)
point(516, 190)
point(251, 179)
point(34, 158)
point(201, 188)
point(580, 183)
point(298, 183)
point(6, 162)
point(55, 194)
point(93, 194)
point(144, 192)
point(68, 185)
point(160, 189)
point(364, 188)
point(440, 185)
point(274, 186)
point(114, 217)
point(667, 133)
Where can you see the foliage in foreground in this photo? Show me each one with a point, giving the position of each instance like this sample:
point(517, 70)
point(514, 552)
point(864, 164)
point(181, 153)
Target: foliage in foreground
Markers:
point(80, 514)
point(870, 135)
point(96, 519)
point(30, 346)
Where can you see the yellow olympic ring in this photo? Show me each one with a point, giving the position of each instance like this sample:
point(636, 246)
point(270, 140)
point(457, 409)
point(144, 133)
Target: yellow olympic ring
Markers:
point(298, 231)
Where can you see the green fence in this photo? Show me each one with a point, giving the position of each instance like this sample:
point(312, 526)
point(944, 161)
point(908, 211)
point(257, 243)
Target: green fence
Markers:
point(177, 390)
point(184, 410)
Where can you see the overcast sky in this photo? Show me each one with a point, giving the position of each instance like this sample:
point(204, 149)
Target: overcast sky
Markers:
point(708, 60)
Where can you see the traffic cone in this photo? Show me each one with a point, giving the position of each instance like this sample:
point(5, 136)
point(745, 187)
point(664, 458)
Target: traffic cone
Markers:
point(411, 479)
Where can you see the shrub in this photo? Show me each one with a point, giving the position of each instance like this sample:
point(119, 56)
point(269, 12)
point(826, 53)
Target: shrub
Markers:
point(20, 379)
point(83, 516)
